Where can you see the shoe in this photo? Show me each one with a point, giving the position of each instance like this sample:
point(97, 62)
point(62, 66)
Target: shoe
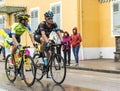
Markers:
point(3, 58)
point(76, 65)
point(28, 69)
point(67, 64)
point(48, 74)
point(21, 75)
point(11, 61)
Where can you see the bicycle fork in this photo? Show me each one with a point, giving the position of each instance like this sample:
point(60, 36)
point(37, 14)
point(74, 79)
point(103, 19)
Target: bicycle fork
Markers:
point(20, 67)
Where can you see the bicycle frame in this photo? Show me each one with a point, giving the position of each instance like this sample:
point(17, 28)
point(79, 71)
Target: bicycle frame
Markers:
point(20, 62)
point(52, 54)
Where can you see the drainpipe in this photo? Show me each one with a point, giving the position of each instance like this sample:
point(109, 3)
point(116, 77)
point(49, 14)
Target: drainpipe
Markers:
point(79, 20)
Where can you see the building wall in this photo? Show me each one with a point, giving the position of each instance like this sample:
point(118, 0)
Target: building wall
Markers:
point(96, 30)
point(90, 22)
point(68, 19)
point(91, 17)
point(106, 38)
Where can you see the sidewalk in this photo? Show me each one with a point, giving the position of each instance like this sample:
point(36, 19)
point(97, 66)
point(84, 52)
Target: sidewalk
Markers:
point(98, 65)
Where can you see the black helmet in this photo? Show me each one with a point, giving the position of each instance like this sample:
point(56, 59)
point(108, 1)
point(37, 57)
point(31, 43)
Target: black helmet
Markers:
point(48, 14)
point(23, 17)
point(37, 37)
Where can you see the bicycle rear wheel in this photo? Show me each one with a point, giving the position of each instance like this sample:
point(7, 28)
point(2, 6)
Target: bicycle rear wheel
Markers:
point(39, 66)
point(58, 69)
point(10, 68)
point(29, 71)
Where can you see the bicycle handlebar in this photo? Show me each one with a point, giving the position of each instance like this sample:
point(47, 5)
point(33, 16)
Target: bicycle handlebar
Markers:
point(22, 48)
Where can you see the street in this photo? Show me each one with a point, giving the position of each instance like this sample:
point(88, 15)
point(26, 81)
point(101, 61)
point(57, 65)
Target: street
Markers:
point(76, 80)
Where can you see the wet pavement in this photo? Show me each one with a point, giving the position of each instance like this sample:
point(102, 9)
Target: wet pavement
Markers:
point(84, 80)
point(43, 85)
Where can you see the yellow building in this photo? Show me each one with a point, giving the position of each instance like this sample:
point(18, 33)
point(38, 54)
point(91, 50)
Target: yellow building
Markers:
point(95, 21)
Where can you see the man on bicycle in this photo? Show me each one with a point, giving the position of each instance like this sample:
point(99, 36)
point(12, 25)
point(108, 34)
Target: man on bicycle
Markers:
point(43, 31)
point(17, 29)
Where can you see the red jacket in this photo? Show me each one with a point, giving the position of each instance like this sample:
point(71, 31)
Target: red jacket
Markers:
point(75, 39)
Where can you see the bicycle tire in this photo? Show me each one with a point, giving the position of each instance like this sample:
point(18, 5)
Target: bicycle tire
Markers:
point(59, 67)
point(10, 68)
point(28, 71)
point(38, 66)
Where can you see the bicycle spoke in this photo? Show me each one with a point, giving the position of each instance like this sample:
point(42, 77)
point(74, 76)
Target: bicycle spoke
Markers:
point(58, 69)
point(10, 69)
point(29, 71)
point(39, 66)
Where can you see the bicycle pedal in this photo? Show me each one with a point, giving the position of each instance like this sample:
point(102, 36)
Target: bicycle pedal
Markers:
point(28, 69)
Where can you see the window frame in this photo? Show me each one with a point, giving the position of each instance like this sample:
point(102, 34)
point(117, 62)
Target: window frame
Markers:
point(2, 1)
point(1, 16)
point(112, 18)
point(55, 4)
point(35, 9)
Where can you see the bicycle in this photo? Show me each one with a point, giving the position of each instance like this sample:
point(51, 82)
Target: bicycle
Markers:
point(37, 49)
point(24, 66)
point(56, 67)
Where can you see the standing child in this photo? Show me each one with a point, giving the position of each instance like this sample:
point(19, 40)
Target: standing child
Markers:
point(67, 48)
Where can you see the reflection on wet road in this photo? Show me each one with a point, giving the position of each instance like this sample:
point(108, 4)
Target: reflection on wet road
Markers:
point(43, 85)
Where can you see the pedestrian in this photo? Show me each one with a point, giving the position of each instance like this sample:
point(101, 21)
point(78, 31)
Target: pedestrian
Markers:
point(66, 48)
point(2, 50)
point(4, 37)
point(75, 42)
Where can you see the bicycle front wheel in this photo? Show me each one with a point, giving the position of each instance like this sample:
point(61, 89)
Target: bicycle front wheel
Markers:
point(39, 66)
point(29, 71)
point(58, 69)
point(10, 68)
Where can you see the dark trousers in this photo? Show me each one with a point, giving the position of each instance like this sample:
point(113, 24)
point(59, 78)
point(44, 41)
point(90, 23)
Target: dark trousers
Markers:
point(67, 56)
point(2, 50)
point(59, 52)
point(75, 52)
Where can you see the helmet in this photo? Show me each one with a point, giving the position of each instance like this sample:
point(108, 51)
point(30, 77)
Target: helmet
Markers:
point(23, 17)
point(48, 14)
point(37, 38)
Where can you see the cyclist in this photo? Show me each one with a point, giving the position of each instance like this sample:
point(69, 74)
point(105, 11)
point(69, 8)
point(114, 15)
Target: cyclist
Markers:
point(43, 31)
point(17, 29)
point(4, 38)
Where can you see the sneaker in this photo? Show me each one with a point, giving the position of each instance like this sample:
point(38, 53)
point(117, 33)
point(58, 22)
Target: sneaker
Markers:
point(28, 69)
point(21, 76)
point(3, 58)
point(76, 65)
point(11, 61)
point(48, 74)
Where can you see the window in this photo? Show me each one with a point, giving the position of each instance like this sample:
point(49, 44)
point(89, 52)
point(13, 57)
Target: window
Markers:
point(1, 0)
point(34, 19)
point(115, 7)
point(2, 22)
point(115, 18)
point(56, 9)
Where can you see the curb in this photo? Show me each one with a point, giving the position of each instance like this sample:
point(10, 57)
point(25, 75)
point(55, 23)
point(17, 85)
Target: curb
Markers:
point(96, 70)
